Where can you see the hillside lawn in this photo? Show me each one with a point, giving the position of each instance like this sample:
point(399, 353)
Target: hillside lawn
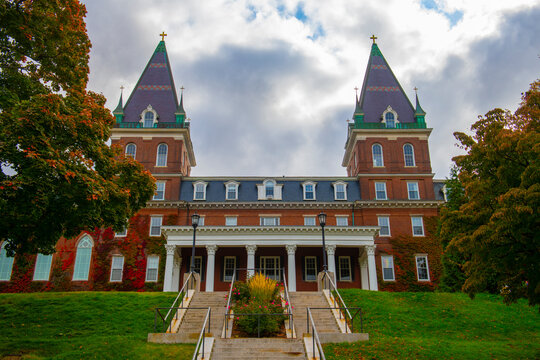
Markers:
point(113, 325)
point(440, 326)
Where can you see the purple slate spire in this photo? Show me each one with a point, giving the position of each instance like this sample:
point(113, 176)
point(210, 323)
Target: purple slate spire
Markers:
point(381, 89)
point(155, 88)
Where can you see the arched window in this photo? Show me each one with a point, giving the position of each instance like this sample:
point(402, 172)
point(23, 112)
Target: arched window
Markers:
point(148, 119)
point(269, 189)
point(131, 150)
point(6, 264)
point(408, 154)
point(376, 150)
point(389, 117)
point(161, 155)
point(83, 258)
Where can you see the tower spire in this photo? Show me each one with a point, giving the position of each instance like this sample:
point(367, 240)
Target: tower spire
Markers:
point(180, 113)
point(419, 114)
point(119, 111)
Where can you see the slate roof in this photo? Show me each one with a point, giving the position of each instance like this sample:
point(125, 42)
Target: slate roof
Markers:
point(155, 87)
point(380, 89)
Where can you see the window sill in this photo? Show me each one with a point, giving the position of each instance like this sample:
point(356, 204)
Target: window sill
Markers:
point(394, 280)
point(150, 281)
point(425, 280)
point(348, 281)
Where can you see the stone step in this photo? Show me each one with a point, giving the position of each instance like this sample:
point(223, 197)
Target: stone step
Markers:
point(253, 348)
point(324, 319)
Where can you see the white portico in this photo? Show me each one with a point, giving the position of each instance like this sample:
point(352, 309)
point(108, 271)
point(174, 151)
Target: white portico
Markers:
point(247, 242)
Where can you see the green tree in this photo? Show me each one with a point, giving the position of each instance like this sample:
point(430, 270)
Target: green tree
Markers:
point(58, 174)
point(494, 225)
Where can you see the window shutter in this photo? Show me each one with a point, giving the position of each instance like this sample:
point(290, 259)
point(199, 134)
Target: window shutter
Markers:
point(260, 191)
point(277, 192)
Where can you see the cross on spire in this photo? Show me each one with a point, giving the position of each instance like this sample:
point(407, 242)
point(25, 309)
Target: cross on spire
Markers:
point(182, 89)
point(416, 90)
point(122, 88)
point(373, 37)
point(163, 36)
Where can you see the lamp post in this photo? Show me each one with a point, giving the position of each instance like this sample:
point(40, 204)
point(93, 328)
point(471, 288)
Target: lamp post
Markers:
point(322, 221)
point(194, 222)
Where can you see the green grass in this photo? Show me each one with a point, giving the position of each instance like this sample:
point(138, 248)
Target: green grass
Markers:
point(84, 325)
point(440, 326)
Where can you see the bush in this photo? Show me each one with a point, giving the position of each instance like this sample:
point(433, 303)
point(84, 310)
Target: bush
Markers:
point(268, 324)
point(262, 288)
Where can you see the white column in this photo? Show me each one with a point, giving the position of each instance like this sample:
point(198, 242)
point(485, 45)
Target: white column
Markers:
point(210, 266)
point(177, 265)
point(291, 265)
point(372, 269)
point(167, 281)
point(362, 260)
point(331, 252)
point(251, 259)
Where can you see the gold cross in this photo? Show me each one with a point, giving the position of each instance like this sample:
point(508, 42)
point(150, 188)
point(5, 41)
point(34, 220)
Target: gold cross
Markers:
point(182, 88)
point(373, 37)
point(163, 36)
point(416, 89)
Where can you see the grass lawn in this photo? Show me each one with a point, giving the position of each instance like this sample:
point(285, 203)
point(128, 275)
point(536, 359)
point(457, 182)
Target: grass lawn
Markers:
point(84, 325)
point(440, 326)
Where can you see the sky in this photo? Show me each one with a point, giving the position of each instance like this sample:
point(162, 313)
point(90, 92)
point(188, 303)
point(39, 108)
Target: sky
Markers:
point(269, 85)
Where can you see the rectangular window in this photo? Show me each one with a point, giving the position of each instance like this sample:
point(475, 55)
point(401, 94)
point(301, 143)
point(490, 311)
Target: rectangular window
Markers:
point(309, 192)
point(121, 233)
point(412, 188)
point(380, 191)
point(229, 264)
point(201, 221)
point(197, 264)
point(270, 267)
point(417, 226)
point(340, 192)
point(43, 267)
point(160, 191)
point(422, 268)
point(387, 267)
point(231, 192)
point(310, 268)
point(155, 225)
point(342, 221)
point(345, 268)
point(230, 220)
point(269, 220)
point(200, 191)
point(6, 264)
point(117, 268)
point(309, 221)
point(384, 223)
point(152, 264)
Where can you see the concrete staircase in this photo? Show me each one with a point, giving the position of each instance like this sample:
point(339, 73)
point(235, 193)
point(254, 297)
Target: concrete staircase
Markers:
point(194, 318)
point(258, 349)
point(325, 321)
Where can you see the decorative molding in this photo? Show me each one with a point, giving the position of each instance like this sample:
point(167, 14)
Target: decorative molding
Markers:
point(291, 249)
point(341, 204)
point(398, 204)
point(211, 249)
point(352, 230)
point(171, 249)
point(251, 249)
point(166, 204)
point(388, 175)
point(331, 250)
point(370, 250)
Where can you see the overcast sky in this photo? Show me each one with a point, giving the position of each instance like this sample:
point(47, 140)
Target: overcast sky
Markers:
point(270, 84)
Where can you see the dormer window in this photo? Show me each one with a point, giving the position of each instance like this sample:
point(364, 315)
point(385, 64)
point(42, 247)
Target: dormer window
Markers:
point(149, 117)
point(269, 190)
point(390, 117)
point(231, 189)
point(309, 190)
point(199, 190)
point(340, 190)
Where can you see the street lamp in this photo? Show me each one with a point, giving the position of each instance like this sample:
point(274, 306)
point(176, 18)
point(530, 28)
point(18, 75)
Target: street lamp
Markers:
point(194, 222)
point(322, 221)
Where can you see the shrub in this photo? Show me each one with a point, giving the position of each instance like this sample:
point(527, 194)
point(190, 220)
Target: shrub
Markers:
point(240, 292)
point(262, 288)
point(267, 325)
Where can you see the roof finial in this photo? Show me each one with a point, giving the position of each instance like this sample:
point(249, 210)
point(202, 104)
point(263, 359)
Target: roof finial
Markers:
point(373, 37)
point(182, 90)
point(121, 90)
point(356, 90)
point(163, 36)
point(416, 90)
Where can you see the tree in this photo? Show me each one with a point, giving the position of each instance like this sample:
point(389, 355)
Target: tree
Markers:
point(58, 174)
point(494, 225)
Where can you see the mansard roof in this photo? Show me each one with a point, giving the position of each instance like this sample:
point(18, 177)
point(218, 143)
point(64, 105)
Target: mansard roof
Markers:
point(382, 89)
point(155, 88)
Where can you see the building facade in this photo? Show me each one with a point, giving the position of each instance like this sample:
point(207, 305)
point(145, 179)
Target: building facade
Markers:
point(270, 223)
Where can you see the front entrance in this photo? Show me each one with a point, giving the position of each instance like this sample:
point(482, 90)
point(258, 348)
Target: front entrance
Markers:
point(271, 267)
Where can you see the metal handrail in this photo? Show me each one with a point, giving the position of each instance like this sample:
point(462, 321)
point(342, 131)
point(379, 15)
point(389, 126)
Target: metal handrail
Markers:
point(316, 340)
point(228, 309)
point(358, 311)
point(202, 335)
point(258, 319)
point(340, 299)
point(288, 300)
point(182, 291)
point(164, 319)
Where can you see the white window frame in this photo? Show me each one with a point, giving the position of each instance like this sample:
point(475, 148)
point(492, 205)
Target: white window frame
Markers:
point(158, 184)
point(6, 263)
point(43, 265)
point(383, 183)
point(276, 269)
point(340, 278)
point(161, 159)
point(375, 156)
point(77, 268)
point(153, 225)
point(121, 268)
point(266, 184)
point(232, 184)
point(411, 155)
point(225, 277)
point(391, 111)
point(313, 193)
point(143, 117)
point(122, 233)
point(147, 279)
point(412, 187)
point(336, 185)
point(344, 218)
point(195, 192)
point(380, 219)
point(277, 190)
point(391, 263)
point(264, 218)
point(306, 278)
point(201, 220)
point(310, 220)
point(420, 256)
point(231, 220)
point(421, 219)
point(128, 153)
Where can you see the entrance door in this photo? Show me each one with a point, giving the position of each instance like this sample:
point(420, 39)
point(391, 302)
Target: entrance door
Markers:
point(270, 267)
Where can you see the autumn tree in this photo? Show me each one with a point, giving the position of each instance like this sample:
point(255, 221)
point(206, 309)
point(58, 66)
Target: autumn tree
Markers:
point(495, 223)
point(58, 175)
